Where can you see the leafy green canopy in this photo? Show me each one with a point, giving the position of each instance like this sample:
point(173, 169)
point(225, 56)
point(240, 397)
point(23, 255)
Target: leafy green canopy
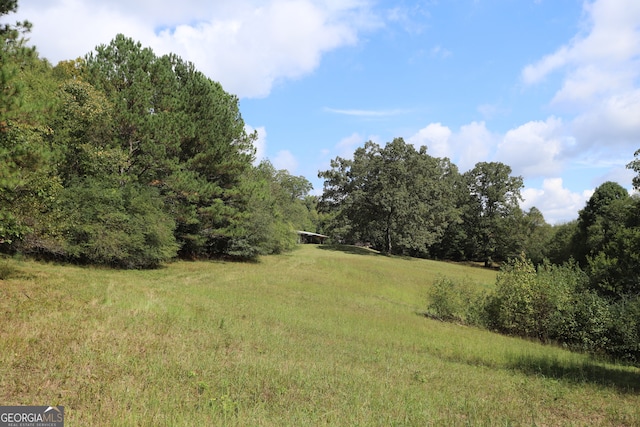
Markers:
point(394, 197)
point(173, 129)
point(607, 240)
point(492, 214)
point(635, 166)
point(403, 201)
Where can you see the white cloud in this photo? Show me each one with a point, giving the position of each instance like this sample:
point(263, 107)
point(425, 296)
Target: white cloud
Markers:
point(348, 145)
point(489, 111)
point(612, 123)
point(600, 62)
point(534, 73)
point(590, 83)
point(247, 45)
point(471, 144)
point(252, 50)
point(411, 20)
point(619, 174)
point(285, 160)
point(440, 52)
point(557, 204)
point(436, 137)
point(600, 86)
point(68, 29)
point(365, 113)
point(534, 148)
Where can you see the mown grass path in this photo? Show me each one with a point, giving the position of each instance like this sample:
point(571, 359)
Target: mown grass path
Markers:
point(320, 336)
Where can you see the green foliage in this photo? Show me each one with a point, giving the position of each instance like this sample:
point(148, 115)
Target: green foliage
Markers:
point(13, 54)
point(116, 226)
point(624, 332)
point(393, 197)
point(174, 129)
point(490, 214)
point(452, 300)
point(83, 133)
point(590, 320)
point(514, 304)
point(137, 84)
point(635, 166)
point(607, 241)
point(146, 130)
point(27, 177)
point(535, 235)
point(599, 220)
point(15, 154)
point(402, 201)
point(277, 208)
point(615, 269)
point(560, 247)
point(550, 303)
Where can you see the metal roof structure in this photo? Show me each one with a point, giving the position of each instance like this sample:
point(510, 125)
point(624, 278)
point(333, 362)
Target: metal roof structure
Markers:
point(308, 237)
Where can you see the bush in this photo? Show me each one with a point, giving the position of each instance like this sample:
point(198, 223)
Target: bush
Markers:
point(624, 332)
point(556, 292)
point(116, 226)
point(542, 304)
point(590, 320)
point(511, 309)
point(552, 303)
point(452, 301)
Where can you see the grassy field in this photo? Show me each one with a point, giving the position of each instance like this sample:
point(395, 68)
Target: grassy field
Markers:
point(316, 337)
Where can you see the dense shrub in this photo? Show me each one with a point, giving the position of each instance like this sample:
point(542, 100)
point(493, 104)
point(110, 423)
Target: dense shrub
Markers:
point(590, 319)
point(551, 303)
point(512, 307)
point(116, 226)
point(624, 332)
point(449, 300)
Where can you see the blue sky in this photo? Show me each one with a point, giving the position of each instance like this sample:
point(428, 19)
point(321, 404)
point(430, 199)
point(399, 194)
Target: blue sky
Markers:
point(549, 87)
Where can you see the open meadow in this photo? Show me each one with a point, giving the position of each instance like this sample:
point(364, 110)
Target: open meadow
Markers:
point(319, 336)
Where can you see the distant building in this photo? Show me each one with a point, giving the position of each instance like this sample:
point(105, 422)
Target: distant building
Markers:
point(307, 237)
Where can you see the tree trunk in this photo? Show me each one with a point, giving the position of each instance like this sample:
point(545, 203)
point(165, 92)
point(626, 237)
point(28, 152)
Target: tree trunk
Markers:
point(387, 236)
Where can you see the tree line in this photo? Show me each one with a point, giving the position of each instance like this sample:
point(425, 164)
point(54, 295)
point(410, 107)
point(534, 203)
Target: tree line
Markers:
point(129, 159)
point(402, 201)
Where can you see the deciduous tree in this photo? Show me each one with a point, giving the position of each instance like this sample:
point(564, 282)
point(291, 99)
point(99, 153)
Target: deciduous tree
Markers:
point(494, 199)
point(394, 197)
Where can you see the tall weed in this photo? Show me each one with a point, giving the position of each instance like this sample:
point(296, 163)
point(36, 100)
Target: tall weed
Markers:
point(7, 270)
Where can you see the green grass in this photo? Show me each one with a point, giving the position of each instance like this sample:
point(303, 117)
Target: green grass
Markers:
point(320, 336)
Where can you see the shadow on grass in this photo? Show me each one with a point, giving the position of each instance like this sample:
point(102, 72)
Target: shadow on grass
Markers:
point(623, 379)
point(349, 249)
